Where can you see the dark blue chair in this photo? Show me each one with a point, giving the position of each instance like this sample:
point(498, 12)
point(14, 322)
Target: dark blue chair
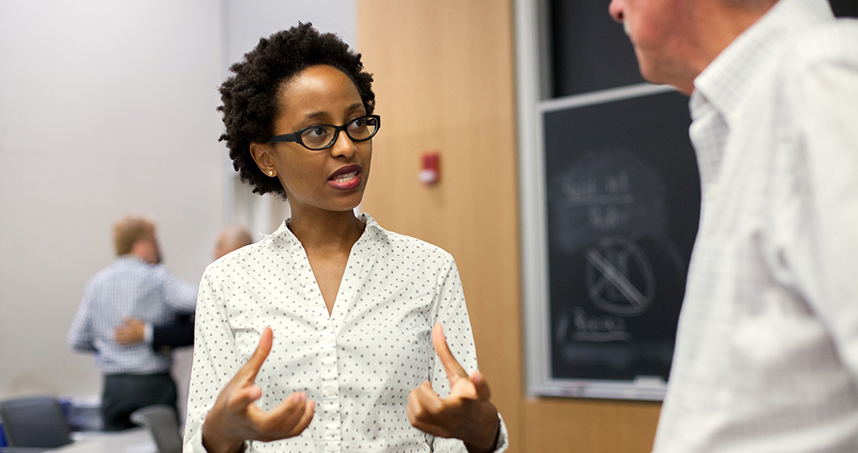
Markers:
point(34, 422)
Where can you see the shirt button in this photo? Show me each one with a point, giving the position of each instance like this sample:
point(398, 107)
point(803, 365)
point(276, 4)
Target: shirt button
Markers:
point(330, 390)
point(328, 339)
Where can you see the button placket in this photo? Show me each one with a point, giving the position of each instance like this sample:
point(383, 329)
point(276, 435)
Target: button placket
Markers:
point(330, 404)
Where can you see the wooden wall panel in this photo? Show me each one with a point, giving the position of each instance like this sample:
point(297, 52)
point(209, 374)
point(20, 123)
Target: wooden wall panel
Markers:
point(589, 426)
point(444, 81)
point(436, 67)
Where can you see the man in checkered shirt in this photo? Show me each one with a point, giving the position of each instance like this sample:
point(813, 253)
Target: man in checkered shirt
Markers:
point(766, 352)
point(135, 285)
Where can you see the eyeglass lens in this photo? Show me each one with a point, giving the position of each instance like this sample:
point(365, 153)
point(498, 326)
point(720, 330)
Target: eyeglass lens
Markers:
point(323, 135)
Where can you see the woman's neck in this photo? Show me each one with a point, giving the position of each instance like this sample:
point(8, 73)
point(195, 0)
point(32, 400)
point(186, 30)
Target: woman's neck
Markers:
point(327, 230)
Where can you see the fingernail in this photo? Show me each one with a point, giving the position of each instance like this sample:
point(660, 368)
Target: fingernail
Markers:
point(298, 397)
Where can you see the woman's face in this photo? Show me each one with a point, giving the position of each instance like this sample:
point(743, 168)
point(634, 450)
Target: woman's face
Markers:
point(331, 179)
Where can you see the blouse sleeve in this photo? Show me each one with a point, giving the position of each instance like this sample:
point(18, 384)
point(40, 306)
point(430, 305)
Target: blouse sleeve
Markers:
point(452, 313)
point(215, 359)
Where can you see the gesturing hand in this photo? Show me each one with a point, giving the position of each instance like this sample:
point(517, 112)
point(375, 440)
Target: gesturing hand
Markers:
point(466, 414)
point(235, 417)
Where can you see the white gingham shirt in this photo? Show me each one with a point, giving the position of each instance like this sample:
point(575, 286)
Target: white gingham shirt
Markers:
point(359, 363)
point(767, 350)
point(128, 287)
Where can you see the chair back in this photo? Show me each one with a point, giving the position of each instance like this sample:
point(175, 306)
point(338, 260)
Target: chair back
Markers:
point(163, 424)
point(35, 422)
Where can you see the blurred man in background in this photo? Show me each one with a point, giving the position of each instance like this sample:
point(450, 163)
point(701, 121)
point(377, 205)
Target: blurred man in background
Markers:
point(231, 238)
point(135, 285)
point(163, 339)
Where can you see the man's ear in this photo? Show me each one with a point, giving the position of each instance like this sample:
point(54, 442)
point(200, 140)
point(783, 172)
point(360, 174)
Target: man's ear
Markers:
point(261, 153)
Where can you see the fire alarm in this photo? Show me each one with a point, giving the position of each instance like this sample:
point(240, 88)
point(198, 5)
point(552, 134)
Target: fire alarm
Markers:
point(430, 170)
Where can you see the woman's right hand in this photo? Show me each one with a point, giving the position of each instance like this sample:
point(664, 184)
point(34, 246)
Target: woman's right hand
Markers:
point(235, 417)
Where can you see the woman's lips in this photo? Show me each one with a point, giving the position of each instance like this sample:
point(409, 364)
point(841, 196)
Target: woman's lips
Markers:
point(346, 178)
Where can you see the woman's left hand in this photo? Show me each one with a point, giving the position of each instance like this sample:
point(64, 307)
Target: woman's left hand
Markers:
point(465, 414)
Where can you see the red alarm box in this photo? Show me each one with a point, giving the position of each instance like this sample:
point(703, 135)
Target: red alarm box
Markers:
point(430, 169)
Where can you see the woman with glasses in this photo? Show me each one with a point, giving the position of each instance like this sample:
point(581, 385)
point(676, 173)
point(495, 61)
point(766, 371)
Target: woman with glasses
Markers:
point(329, 334)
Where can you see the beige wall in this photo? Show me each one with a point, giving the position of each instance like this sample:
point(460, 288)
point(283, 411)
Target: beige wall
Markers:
point(444, 80)
point(105, 108)
point(108, 107)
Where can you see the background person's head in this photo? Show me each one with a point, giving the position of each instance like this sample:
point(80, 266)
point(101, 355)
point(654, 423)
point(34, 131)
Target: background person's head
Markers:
point(231, 238)
point(135, 235)
point(250, 98)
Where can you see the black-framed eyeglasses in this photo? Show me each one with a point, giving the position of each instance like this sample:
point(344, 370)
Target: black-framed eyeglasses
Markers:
point(323, 136)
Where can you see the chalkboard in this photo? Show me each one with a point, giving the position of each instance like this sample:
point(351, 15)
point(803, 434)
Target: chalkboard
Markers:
point(845, 8)
point(589, 51)
point(622, 198)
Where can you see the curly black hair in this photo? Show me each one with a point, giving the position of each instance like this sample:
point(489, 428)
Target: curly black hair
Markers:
point(250, 96)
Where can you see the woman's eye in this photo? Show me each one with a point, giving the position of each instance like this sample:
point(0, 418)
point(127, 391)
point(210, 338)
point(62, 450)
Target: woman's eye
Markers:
point(358, 124)
point(316, 131)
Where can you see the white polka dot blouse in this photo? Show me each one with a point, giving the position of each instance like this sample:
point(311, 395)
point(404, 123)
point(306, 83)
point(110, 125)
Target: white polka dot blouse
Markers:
point(359, 363)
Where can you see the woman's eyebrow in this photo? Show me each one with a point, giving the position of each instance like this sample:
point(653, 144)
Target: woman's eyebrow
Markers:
point(315, 114)
point(351, 108)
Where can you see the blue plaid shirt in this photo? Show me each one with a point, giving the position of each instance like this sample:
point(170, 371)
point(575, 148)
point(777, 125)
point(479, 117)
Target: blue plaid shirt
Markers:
point(128, 287)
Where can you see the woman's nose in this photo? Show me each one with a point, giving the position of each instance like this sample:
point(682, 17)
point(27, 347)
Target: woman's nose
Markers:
point(343, 146)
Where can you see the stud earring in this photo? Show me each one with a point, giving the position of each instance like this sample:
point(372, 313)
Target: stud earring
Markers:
point(270, 172)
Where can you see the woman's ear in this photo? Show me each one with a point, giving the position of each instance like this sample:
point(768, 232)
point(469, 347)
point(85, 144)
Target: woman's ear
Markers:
point(261, 153)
